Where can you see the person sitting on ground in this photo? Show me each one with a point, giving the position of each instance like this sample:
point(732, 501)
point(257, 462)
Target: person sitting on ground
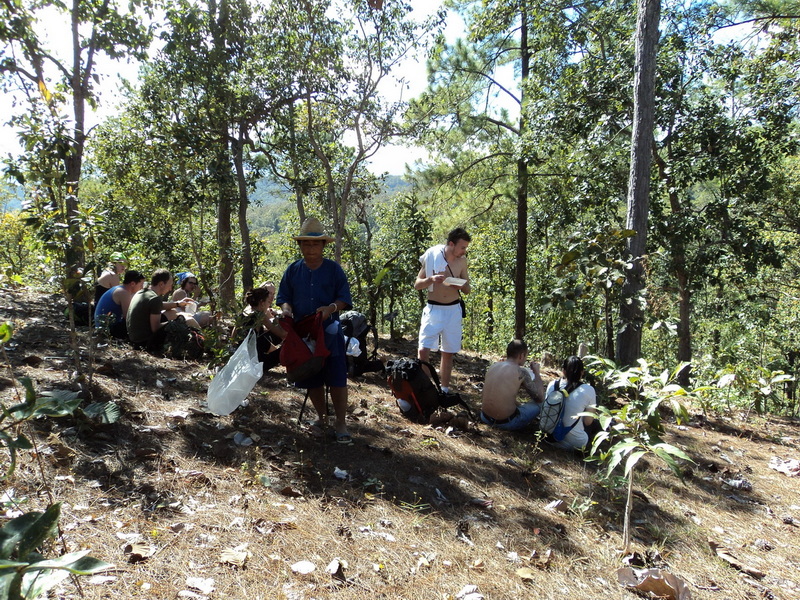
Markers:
point(146, 313)
point(112, 308)
point(188, 287)
point(261, 319)
point(110, 277)
point(502, 383)
point(582, 398)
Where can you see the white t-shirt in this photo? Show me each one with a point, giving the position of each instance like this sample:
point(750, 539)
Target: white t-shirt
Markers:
point(579, 400)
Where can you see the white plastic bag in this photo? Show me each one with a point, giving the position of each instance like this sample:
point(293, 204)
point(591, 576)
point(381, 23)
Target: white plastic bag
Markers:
point(235, 380)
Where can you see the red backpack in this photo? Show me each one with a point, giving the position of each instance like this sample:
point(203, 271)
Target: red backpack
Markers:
point(297, 356)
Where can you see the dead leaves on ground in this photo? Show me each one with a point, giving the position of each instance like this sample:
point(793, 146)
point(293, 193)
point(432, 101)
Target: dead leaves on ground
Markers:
point(659, 583)
point(727, 555)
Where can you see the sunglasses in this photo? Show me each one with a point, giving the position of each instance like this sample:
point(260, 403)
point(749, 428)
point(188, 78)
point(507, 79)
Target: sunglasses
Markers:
point(192, 282)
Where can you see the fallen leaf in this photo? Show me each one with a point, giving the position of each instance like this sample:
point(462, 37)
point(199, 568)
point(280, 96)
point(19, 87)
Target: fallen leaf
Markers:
point(477, 564)
point(425, 559)
point(542, 560)
point(658, 582)
point(303, 567)
point(557, 506)
point(291, 492)
point(234, 557)
point(790, 467)
point(469, 592)
point(482, 502)
point(204, 586)
point(138, 551)
point(526, 573)
point(336, 569)
point(727, 555)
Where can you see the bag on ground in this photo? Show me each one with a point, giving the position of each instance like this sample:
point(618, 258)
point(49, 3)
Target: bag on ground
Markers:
point(236, 379)
point(303, 352)
point(551, 417)
point(182, 341)
point(356, 328)
point(418, 397)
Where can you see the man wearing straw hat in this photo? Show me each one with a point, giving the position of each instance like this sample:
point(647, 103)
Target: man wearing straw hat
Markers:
point(315, 284)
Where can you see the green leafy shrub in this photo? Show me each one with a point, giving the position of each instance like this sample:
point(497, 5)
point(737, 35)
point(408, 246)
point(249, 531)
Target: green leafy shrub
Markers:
point(633, 431)
point(25, 573)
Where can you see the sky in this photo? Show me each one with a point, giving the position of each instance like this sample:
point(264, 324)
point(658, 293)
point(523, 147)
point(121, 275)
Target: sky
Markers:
point(391, 159)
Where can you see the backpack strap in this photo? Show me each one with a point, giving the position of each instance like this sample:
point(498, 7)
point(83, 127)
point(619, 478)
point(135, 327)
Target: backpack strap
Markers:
point(434, 374)
point(564, 407)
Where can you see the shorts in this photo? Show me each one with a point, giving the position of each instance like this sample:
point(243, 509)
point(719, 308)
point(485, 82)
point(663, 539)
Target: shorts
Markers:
point(441, 323)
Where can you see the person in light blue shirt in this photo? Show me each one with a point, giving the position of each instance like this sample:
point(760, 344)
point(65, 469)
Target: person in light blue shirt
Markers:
point(112, 307)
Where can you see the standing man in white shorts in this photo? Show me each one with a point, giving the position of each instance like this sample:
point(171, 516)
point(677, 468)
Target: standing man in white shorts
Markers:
point(444, 274)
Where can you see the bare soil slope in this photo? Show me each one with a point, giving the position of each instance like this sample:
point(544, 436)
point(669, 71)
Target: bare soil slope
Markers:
point(188, 504)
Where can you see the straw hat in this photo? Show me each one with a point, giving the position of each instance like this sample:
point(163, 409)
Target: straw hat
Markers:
point(312, 230)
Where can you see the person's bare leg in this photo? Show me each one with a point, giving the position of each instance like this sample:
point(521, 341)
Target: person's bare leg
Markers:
point(446, 368)
point(425, 354)
point(317, 396)
point(339, 401)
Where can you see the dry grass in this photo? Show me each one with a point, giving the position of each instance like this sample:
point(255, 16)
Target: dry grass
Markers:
point(407, 521)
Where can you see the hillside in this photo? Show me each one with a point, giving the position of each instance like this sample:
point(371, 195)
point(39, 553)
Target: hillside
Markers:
point(187, 504)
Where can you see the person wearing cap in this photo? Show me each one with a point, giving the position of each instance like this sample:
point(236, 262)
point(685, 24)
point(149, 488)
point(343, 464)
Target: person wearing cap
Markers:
point(315, 284)
point(109, 278)
point(444, 274)
point(188, 288)
point(146, 313)
point(112, 308)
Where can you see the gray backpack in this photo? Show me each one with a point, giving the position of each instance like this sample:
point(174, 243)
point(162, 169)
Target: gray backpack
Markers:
point(551, 417)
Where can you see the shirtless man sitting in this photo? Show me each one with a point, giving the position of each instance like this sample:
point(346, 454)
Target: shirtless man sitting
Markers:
point(503, 381)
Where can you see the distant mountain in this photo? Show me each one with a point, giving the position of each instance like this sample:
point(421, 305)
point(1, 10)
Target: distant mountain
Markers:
point(271, 201)
point(11, 197)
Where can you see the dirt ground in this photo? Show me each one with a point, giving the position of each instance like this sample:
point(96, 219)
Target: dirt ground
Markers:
point(255, 505)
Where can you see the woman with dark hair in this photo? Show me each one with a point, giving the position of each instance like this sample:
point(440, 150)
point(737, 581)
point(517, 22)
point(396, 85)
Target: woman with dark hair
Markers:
point(582, 398)
point(261, 319)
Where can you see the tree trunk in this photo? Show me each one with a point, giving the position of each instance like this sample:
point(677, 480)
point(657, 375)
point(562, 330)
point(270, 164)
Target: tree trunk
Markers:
point(521, 267)
point(244, 228)
point(629, 340)
point(684, 320)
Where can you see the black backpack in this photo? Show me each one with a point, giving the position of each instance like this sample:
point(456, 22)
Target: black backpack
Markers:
point(409, 382)
point(355, 325)
point(181, 341)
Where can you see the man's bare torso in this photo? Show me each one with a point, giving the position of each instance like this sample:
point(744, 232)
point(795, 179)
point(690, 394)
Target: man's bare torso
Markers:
point(500, 388)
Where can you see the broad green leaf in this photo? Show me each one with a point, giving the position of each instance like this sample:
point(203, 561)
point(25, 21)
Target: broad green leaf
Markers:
point(674, 389)
point(10, 582)
point(632, 460)
point(42, 528)
point(6, 331)
point(673, 450)
point(14, 531)
point(104, 412)
point(77, 563)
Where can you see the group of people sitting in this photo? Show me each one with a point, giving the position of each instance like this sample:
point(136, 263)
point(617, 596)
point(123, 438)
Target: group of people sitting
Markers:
point(128, 309)
point(506, 378)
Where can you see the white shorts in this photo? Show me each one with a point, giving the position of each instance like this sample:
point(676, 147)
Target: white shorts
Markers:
point(441, 322)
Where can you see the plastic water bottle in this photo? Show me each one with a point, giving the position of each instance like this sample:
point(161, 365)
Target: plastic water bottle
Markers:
point(353, 347)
